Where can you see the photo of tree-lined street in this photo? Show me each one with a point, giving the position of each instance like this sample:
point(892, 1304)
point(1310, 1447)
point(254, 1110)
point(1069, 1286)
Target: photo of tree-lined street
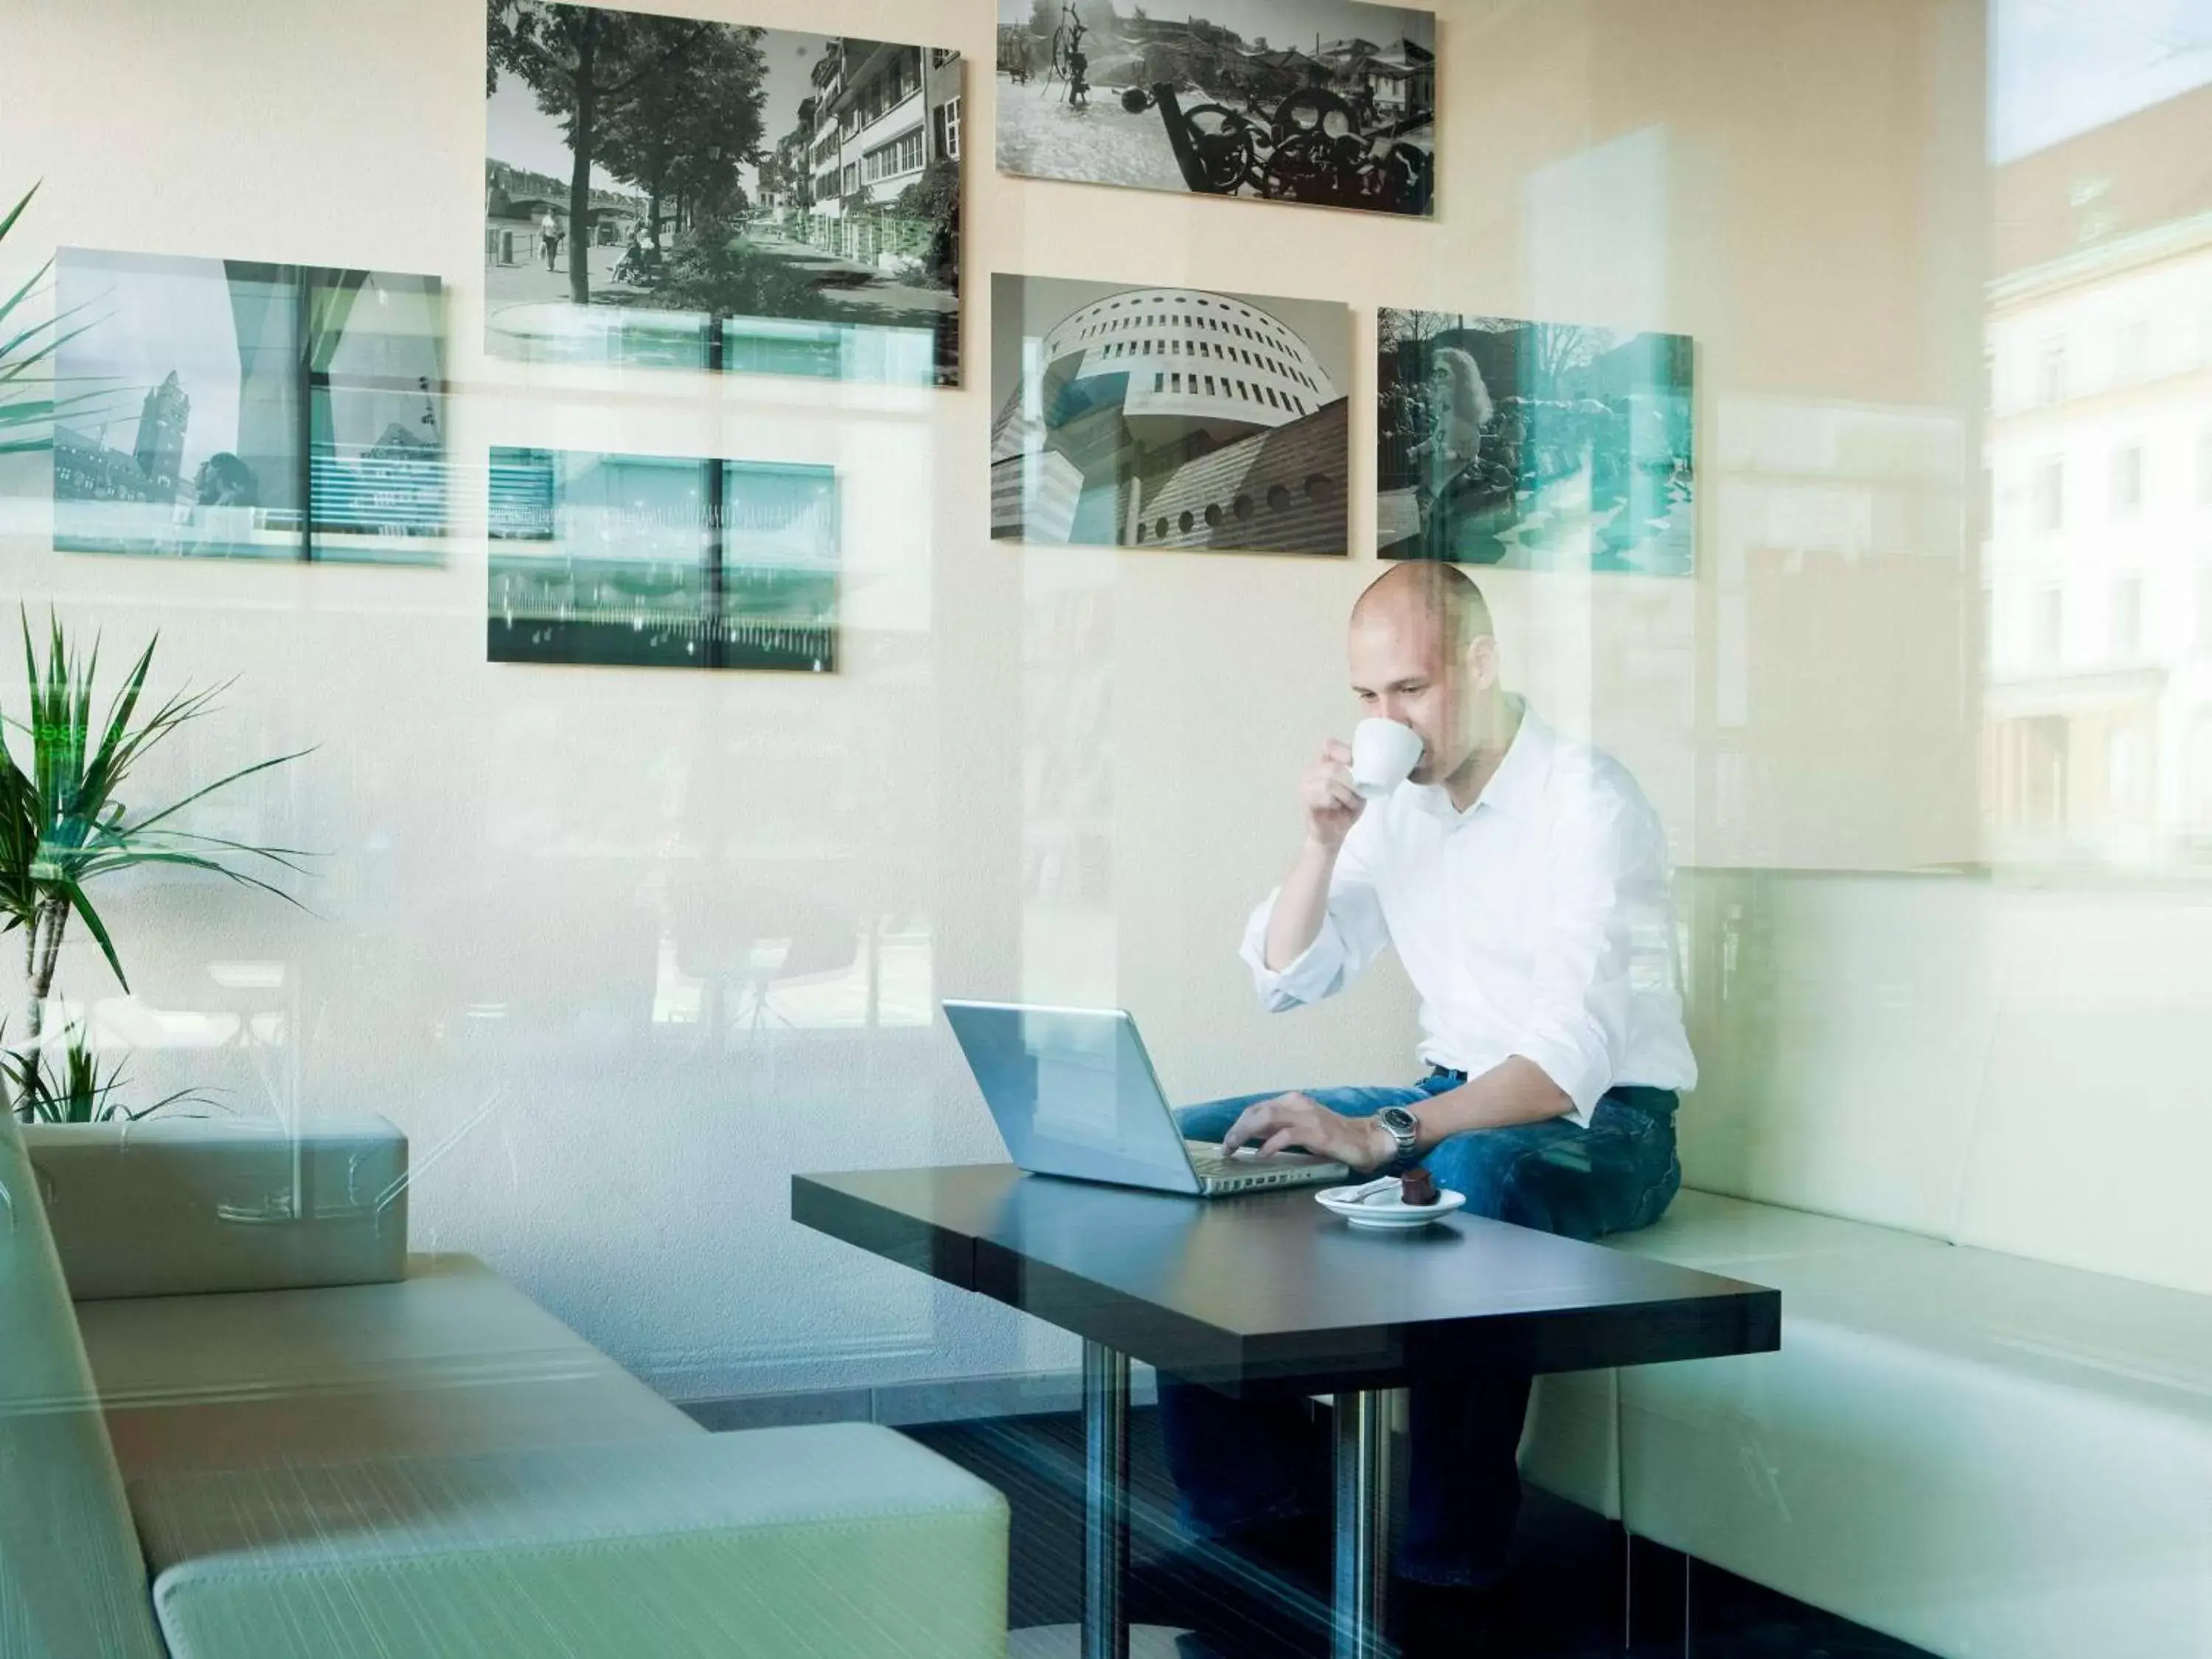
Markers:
point(683, 193)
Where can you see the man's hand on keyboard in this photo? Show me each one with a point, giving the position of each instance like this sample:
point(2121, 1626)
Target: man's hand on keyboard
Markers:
point(1297, 1120)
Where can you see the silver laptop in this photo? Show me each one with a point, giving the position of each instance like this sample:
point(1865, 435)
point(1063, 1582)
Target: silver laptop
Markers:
point(1074, 1093)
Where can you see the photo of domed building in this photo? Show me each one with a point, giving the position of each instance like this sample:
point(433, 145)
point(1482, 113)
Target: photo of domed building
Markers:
point(1168, 417)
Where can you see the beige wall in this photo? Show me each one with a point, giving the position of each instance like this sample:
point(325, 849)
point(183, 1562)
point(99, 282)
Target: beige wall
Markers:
point(521, 863)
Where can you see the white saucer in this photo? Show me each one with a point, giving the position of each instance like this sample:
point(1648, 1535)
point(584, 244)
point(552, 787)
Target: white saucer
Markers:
point(1395, 1216)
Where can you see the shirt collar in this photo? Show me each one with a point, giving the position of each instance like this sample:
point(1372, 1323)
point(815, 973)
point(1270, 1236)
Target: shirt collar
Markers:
point(1513, 788)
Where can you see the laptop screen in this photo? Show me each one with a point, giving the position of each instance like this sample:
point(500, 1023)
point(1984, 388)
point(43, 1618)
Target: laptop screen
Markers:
point(1072, 1092)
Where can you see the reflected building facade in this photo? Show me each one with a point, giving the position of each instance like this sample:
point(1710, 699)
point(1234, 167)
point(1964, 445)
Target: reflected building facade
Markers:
point(2099, 457)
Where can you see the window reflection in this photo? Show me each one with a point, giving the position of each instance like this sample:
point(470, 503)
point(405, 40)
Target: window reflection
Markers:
point(1070, 925)
point(2099, 452)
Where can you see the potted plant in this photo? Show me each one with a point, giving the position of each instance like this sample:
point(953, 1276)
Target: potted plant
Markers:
point(76, 1090)
point(64, 826)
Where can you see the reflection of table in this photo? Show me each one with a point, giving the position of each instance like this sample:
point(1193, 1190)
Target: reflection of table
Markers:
point(1268, 1294)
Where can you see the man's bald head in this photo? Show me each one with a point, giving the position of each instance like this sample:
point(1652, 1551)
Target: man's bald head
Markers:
point(1422, 654)
point(1427, 592)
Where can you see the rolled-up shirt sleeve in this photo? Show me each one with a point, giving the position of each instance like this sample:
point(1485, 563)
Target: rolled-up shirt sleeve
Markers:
point(1352, 935)
point(1605, 870)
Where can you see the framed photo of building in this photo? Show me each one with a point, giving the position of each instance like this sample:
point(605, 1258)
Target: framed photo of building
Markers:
point(1168, 417)
point(1535, 445)
point(1327, 102)
point(655, 560)
point(686, 193)
point(231, 409)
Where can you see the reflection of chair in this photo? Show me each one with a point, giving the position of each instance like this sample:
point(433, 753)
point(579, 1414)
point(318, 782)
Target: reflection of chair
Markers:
point(755, 936)
point(651, 582)
point(207, 950)
point(212, 969)
point(585, 964)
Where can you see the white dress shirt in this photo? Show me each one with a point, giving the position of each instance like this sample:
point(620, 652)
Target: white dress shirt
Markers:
point(1539, 922)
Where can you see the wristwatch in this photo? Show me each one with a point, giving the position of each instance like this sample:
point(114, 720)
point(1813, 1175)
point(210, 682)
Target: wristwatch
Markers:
point(1404, 1128)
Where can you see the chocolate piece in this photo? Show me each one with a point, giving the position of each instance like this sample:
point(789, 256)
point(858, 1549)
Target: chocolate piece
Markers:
point(1417, 1187)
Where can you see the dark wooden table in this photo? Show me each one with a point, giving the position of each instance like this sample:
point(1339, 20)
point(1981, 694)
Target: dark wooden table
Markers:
point(1270, 1294)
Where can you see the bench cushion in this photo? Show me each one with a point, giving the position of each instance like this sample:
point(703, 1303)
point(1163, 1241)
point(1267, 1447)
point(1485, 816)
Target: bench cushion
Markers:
point(1974, 1452)
point(72, 1583)
point(844, 1540)
point(451, 1358)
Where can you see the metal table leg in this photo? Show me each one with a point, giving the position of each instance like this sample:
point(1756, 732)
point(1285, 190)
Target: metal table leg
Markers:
point(1362, 1522)
point(1105, 1500)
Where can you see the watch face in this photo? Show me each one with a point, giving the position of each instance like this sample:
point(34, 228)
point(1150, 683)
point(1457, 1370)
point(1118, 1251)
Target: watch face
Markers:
point(1399, 1120)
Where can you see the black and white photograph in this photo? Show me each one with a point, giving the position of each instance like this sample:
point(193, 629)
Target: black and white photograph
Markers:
point(658, 561)
point(1535, 444)
point(676, 192)
point(228, 409)
point(1168, 417)
point(1325, 102)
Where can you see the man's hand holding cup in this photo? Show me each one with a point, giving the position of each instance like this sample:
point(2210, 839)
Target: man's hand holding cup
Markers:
point(1338, 786)
point(1332, 804)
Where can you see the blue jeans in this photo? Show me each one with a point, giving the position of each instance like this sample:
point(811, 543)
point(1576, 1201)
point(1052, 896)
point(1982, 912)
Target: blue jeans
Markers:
point(1241, 1466)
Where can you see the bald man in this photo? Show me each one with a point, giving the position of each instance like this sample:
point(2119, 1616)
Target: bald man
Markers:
point(1524, 882)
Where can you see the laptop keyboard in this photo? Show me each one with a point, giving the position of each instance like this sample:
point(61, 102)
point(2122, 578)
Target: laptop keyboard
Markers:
point(1208, 1160)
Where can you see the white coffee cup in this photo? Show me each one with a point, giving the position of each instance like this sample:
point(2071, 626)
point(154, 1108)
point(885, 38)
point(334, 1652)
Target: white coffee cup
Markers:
point(1382, 753)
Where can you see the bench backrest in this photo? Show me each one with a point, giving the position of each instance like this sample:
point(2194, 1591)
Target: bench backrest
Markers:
point(2025, 1070)
point(72, 1581)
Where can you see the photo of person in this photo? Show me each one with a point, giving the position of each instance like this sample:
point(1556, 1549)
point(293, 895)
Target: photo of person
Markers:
point(1535, 445)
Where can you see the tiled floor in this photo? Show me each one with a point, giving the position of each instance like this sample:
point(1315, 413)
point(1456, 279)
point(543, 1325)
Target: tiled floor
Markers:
point(1569, 1598)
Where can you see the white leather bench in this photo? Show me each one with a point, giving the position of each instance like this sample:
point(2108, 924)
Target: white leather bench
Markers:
point(1962, 1443)
point(431, 1464)
point(1976, 1453)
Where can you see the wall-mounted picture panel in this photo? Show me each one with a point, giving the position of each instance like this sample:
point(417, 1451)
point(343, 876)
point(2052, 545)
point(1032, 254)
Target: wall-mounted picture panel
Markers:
point(230, 409)
point(1542, 446)
point(685, 193)
point(1320, 101)
point(1168, 417)
point(655, 560)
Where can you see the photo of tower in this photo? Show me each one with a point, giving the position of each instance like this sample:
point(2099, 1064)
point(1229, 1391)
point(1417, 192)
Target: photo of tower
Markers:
point(231, 409)
point(1168, 417)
